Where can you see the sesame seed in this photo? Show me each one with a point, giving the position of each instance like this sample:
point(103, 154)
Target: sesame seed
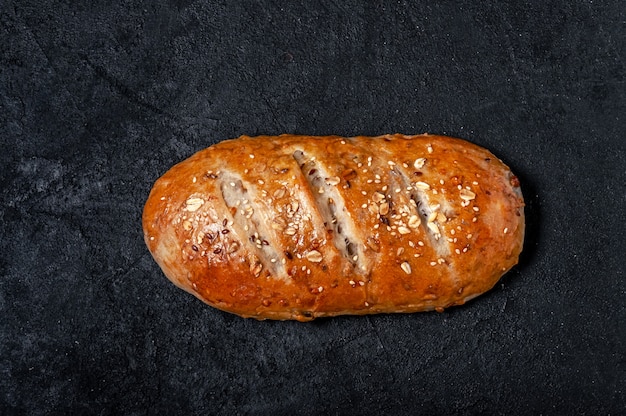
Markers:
point(441, 181)
point(377, 197)
point(403, 230)
point(352, 283)
point(193, 204)
point(261, 181)
point(364, 206)
point(406, 267)
point(420, 243)
point(467, 195)
point(343, 142)
point(419, 163)
point(506, 230)
point(457, 251)
point(422, 185)
point(429, 148)
point(361, 283)
point(391, 163)
point(194, 179)
point(433, 263)
point(399, 251)
point(414, 221)
point(320, 289)
point(251, 156)
point(314, 256)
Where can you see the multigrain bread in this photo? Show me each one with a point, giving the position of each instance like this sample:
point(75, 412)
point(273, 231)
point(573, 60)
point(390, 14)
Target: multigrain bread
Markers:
point(300, 227)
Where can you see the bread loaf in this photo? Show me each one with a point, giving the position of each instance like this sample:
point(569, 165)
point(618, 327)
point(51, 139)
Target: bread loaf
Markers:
point(300, 227)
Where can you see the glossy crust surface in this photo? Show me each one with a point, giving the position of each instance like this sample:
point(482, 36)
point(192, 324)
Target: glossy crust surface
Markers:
point(299, 227)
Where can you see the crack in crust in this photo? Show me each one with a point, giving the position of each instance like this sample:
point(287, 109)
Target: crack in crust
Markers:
point(329, 202)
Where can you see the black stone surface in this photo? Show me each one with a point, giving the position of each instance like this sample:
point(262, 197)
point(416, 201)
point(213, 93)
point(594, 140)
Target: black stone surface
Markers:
point(99, 99)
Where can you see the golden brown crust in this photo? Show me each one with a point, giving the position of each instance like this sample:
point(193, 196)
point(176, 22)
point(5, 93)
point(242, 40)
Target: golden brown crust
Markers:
point(299, 227)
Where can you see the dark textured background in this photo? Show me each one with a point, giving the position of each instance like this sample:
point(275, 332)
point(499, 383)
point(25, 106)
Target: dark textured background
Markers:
point(98, 100)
